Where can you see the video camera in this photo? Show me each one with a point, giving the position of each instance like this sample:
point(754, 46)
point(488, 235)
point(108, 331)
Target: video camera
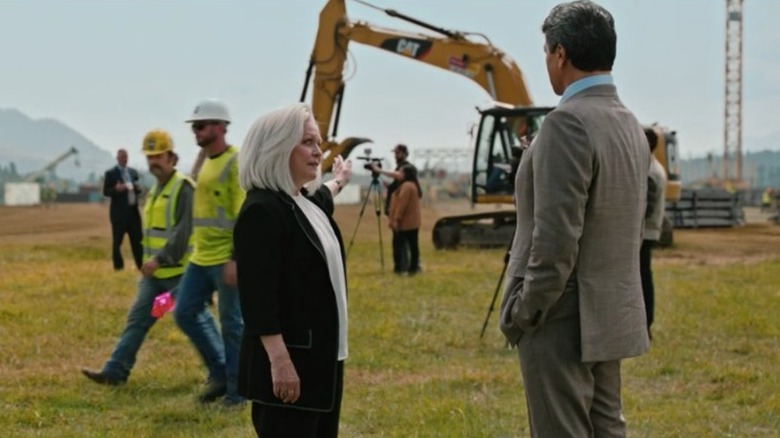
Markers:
point(369, 159)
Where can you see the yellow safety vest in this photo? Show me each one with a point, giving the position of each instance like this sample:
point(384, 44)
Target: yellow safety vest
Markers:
point(159, 220)
point(218, 199)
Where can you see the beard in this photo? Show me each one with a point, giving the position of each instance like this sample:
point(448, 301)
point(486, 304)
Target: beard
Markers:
point(156, 170)
point(205, 141)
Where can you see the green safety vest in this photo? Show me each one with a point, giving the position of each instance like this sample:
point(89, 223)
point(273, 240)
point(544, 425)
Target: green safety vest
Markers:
point(159, 220)
point(218, 199)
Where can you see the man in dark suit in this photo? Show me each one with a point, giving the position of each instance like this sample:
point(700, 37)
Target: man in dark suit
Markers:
point(573, 302)
point(122, 185)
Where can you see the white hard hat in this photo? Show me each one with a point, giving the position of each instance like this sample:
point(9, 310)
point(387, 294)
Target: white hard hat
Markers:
point(210, 109)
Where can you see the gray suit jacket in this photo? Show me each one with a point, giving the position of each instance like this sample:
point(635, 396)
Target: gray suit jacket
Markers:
point(580, 196)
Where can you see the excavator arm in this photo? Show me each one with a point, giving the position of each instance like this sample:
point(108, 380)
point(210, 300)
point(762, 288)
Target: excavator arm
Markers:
point(33, 176)
point(482, 63)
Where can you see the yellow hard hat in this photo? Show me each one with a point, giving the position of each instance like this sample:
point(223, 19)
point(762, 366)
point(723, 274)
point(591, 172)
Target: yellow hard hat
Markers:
point(157, 141)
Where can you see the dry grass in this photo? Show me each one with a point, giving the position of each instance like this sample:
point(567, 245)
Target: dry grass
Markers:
point(417, 365)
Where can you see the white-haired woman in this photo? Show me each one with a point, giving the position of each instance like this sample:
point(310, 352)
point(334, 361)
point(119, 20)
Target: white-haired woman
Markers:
point(291, 278)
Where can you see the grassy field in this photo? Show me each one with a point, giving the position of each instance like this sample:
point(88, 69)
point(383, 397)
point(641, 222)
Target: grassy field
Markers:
point(417, 365)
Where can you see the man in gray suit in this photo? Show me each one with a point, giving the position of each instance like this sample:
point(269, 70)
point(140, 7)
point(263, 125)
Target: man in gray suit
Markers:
point(573, 301)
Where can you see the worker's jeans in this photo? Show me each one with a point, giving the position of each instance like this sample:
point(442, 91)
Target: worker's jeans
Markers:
point(219, 353)
point(139, 321)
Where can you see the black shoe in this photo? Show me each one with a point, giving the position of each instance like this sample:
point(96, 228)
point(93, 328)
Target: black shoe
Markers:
point(102, 378)
point(213, 391)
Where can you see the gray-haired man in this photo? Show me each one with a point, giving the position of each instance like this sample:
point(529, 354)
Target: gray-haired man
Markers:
point(573, 302)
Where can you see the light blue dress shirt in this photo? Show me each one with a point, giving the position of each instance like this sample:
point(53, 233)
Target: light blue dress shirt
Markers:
point(584, 83)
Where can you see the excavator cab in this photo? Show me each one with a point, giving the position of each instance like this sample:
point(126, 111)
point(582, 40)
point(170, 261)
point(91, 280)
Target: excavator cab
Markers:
point(499, 145)
point(500, 142)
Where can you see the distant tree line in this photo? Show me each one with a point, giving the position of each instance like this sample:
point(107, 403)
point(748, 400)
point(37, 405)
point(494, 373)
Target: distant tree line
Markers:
point(759, 169)
point(9, 172)
point(767, 176)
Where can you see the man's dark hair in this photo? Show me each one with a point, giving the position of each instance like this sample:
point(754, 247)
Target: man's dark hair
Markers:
point(652, 138)
point(402, 148)
point(587, 32)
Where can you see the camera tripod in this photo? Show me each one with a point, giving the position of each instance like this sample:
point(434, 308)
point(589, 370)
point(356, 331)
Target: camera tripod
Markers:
point(374, 188)
point(498, 287)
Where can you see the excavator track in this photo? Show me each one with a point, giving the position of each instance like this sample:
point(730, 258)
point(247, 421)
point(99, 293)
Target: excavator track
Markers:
point(479, 230)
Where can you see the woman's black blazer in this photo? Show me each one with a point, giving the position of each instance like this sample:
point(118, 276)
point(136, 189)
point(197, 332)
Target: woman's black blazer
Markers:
point(285, 288)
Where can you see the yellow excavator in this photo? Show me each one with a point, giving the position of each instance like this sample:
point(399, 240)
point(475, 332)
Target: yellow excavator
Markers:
point(481, 62)
point(500, 129)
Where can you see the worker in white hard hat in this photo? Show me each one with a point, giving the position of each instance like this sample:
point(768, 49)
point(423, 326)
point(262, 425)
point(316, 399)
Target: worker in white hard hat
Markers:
point(166, 249)
point(218, 198)
point(207, 113)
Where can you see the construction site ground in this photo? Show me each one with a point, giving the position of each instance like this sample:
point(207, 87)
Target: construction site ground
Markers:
point(757, 240)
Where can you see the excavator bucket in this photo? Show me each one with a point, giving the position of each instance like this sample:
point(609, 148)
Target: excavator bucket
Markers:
point(344, 148)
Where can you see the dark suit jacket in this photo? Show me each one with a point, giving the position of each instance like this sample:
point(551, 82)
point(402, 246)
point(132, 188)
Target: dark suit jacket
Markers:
point(580, 197)
point(285, 287)
point(119, 207)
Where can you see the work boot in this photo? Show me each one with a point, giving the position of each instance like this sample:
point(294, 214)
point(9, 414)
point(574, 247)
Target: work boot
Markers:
point(233, 403)
point(102, 378)
point(213, 391)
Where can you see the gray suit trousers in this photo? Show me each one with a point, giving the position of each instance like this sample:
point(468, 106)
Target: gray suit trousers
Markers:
point(567, 397)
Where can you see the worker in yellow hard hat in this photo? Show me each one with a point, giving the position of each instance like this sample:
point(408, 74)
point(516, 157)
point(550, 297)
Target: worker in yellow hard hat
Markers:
point(218, 199)
point(166, 250)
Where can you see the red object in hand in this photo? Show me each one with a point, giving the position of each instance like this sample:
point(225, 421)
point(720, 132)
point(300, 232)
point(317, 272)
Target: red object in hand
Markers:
point(163, 304)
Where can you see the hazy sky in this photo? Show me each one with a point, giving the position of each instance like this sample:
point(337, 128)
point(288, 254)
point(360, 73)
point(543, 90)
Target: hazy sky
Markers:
point(115, 69)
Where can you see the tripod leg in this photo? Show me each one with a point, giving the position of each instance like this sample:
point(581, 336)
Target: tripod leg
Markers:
point(378, 210)
point(360, 217)
point(495, 295)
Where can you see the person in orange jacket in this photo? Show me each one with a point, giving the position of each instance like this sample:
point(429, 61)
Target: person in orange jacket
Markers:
point(405, 219)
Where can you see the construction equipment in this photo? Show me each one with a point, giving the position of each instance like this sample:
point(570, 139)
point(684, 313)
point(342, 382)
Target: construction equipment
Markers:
point(711, 206)
point(481, 62)
point(719, 204)
point(497, 151)
point(732, 108)
point(497, 147)
point(43, 173)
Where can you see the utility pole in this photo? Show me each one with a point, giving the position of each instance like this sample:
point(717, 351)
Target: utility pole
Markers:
point(732, 120)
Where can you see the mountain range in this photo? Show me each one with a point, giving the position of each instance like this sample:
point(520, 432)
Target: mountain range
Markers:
point(30, 144)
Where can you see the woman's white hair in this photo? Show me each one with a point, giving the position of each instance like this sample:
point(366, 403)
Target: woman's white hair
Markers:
point(264, 159)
